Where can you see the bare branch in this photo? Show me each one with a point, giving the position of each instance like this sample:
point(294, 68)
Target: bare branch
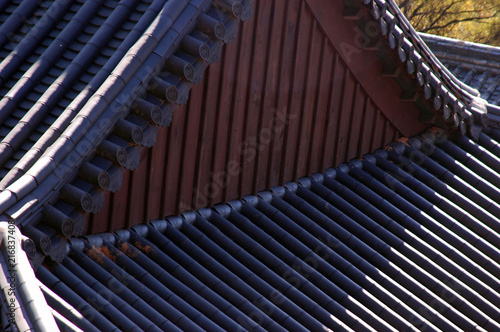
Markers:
point(443, 13)
point(417, 20)
point(456, 21)
point(412, 14)
point(405, 4)
point(452, 18)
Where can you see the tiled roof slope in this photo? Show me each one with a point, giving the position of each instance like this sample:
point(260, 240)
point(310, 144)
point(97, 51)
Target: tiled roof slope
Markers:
point(477, 65)
point(407, 238)
point(83, 87)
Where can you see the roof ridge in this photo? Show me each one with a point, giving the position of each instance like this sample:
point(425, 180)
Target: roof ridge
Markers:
point(102, 131)
point(51, 96)
point(56, 129)
point(458, 104)
point(485, 50)
point(464, 54)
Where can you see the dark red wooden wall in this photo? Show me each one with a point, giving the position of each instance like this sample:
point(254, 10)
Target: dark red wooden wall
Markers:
point(281, 103)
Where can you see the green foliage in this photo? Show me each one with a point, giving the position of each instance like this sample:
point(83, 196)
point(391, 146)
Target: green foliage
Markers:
point(473, 20)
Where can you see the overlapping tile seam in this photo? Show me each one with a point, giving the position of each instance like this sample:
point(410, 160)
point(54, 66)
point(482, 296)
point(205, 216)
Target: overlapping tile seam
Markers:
point(407, 237)
point(453, 104)
point(121, 118)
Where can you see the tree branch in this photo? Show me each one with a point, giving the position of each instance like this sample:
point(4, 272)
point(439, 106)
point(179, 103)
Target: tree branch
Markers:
point(404, 5)
point(443, 13)
point(456, 21)
point(412, 14)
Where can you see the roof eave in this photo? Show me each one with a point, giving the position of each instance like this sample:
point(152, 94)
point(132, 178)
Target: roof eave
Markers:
point(452, 101)
point(29, 198)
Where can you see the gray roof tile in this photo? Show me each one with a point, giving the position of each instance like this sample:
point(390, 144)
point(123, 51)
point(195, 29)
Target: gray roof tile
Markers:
point(474, 64)
point(404, 239)
point(355, 248)
point(88, 67)
point(68, 87)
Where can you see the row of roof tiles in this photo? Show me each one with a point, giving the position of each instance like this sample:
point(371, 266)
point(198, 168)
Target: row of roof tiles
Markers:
point(454, 104)
point(137, 84)
point(474, 64)
point(194, 31)
point(404, 239)
point(134, 60)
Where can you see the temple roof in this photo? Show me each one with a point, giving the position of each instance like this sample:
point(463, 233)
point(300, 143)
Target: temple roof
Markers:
point(405, 239)
point(477, 65)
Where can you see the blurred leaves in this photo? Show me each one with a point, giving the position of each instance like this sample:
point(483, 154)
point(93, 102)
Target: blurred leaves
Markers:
point(473, 20)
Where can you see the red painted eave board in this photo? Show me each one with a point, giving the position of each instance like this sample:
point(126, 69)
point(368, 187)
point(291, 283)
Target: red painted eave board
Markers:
point(366, 67)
